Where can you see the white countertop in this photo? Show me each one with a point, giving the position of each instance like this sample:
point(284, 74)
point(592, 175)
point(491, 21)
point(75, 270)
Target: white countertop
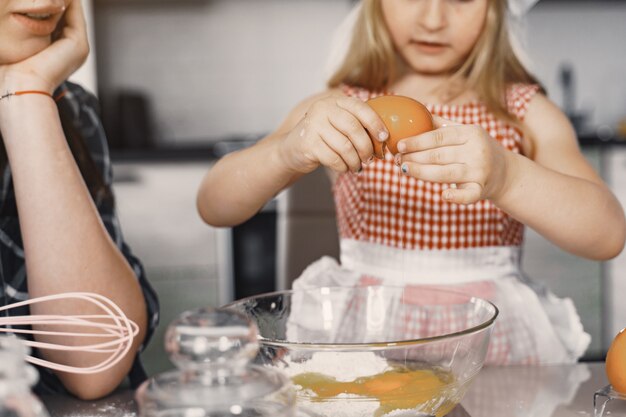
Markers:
point(506, 391)
point(535, 391)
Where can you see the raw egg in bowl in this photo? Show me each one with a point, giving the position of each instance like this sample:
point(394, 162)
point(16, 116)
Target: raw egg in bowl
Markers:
point(373, 351)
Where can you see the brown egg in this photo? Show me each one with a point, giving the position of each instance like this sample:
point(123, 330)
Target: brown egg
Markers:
point(403, 117)
point(615, 365)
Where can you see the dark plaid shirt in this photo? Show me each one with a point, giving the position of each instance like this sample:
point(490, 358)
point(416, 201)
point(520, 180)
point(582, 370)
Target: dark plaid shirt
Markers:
point(13, 274)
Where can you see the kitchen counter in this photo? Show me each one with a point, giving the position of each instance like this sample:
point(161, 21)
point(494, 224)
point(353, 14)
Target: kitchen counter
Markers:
point(536, 391)
point(213, 150)
point(165, 154)
point(594, 140)
point(528, 391)
point(202, 151)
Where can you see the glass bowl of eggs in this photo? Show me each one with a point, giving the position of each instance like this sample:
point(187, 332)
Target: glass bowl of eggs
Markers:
point(379, 351)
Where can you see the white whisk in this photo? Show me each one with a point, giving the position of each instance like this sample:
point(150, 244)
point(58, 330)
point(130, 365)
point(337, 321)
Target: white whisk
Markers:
point(114, 327)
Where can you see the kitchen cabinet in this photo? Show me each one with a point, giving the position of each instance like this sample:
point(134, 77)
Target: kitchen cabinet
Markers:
point(569, 276)
point(615, 287)
point(306, 226)
point(157, 212)
point(582, 280)
point(247, 254)
point(597, 288)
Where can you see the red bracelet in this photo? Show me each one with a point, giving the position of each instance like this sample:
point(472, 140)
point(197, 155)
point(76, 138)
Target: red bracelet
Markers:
point(24, 92)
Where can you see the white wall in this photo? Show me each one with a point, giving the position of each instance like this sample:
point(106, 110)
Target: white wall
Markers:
point(591, 36)
point(86, 74)
point(216, 68)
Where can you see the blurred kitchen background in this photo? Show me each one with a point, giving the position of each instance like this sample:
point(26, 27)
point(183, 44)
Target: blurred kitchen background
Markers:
point(182, 82)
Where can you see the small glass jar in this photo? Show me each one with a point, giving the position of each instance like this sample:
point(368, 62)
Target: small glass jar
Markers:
point(213, 350)
point(607, 401)
point(16, 379)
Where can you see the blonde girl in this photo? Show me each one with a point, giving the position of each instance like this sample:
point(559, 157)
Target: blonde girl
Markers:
point(502, 156)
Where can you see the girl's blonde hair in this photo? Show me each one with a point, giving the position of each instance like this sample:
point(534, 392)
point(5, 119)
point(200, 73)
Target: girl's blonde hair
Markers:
point(491, 66)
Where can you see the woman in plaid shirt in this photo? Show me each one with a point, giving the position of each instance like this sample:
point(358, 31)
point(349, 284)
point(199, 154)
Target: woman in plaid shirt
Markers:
point(57, 216)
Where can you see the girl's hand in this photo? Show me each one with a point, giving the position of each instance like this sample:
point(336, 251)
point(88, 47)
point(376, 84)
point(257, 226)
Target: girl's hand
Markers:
point(47, 69)
point(336, 132)
point(453, 153)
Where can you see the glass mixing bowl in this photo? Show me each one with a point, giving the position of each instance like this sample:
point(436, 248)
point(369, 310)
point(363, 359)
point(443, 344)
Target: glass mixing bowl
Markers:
point(373, 351)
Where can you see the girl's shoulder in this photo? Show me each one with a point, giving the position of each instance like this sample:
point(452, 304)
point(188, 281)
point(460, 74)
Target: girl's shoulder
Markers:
point(518, 97)
point(529, 103)
point(547, 127)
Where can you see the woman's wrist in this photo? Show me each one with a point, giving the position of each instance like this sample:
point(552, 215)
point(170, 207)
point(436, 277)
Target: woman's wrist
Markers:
point(17, 81)
point(20, 112)
point(18, 93)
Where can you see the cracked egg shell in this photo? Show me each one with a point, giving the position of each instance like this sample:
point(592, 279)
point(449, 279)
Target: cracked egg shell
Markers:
point(403, 117)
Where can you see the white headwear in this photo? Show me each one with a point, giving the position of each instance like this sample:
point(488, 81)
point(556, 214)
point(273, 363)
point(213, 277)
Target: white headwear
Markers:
point(517, 28)
point(519, 8)
point(342, 36)
point(340, 41)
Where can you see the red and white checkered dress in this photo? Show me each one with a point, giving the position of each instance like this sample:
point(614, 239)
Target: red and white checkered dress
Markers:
point(380, 205)
point(396, 229)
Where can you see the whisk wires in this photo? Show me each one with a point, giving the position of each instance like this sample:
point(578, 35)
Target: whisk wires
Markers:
point(113, 327)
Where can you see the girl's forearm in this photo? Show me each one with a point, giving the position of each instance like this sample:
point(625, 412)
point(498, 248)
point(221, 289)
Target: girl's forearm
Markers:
point(578, 215)
point(242, 182)
point(66, 245)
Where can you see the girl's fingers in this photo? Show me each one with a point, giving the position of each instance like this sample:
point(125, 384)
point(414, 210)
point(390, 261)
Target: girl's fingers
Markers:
point(468, 189)
point(437, 156)
point(329, 158)
point(351, 128)
point(449, 135)
point(466, 193)
point(343, 147)
point(448, 174)
point(366, 116)
point(440, 122)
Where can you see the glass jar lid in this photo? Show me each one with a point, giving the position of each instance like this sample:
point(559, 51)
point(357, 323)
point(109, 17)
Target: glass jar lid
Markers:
point(213, 350)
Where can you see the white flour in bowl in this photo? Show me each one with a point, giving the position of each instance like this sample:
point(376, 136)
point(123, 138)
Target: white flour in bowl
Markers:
point(344, 367)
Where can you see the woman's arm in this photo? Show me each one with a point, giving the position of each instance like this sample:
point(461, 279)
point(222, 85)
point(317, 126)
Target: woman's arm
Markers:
point(557, 192)
point(66, 246)
point(328, 129)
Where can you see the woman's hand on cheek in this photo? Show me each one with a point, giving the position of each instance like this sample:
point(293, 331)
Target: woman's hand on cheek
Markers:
point(463, 155)
point(47, 69)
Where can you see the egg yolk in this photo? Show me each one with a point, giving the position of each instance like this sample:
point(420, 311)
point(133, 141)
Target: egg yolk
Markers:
point(615, 365)
point(403, 117)
point(394, 389)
